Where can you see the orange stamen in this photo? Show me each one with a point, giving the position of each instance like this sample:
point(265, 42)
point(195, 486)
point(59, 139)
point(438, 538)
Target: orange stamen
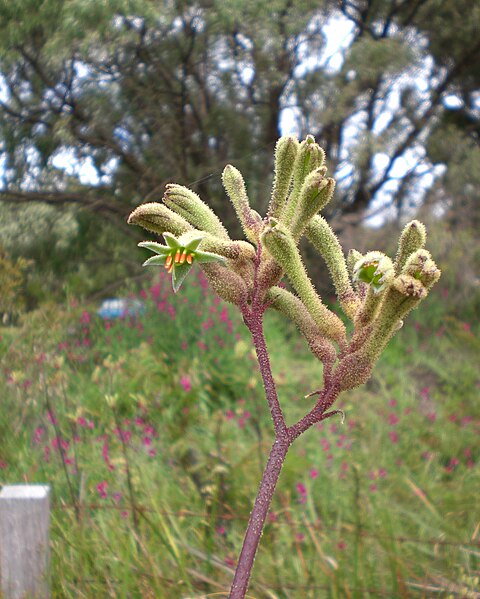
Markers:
point(189, 258)
point(170, 268)
point(183, 256)
point(168, 261)
point(177, 257)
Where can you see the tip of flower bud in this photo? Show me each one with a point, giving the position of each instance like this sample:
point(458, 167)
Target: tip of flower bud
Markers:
point(409, 286)
point(375, 269)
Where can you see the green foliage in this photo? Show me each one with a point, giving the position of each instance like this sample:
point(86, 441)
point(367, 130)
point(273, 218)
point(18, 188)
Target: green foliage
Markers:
point(144, 93)
point(372, 59)
point(12, 299)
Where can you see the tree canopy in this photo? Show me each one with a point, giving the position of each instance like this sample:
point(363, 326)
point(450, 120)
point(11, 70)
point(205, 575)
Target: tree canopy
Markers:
point(102, 103)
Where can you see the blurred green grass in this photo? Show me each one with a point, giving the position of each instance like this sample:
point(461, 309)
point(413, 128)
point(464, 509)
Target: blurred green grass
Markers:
point(384, 504)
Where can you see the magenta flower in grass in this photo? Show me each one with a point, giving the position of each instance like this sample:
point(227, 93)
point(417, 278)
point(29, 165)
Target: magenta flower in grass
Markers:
point(102, 489)
point(178, 256)
point(186, 383)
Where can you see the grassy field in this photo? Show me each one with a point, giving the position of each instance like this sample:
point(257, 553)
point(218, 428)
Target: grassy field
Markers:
point(153, 433)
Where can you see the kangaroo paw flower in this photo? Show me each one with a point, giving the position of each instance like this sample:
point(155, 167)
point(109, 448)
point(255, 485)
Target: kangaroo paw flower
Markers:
point(178, 256)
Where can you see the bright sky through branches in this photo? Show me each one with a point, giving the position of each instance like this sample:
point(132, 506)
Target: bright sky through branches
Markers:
point(338, 34)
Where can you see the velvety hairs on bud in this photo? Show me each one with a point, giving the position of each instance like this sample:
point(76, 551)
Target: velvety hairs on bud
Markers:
point(413, 238)
point(285, 153)
point(353, 257)
point(310, 156)
point(375, 293)
point(421, 266)
point(233, 250)
point(157, 218)
point(234, 185)
point(281, 245)
point(186, 203)
point(324, 240)
point(315, 194)
point(227, 284)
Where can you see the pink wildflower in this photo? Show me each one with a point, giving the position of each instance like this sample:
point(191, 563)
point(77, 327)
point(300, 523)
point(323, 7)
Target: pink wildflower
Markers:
point(393, 437)
point(393, 419)
point(85, 317)
point(102, 489)
point(186, 383)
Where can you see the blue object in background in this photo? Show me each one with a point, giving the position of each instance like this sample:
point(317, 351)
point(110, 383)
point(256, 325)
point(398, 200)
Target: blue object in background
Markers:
point(120, 307)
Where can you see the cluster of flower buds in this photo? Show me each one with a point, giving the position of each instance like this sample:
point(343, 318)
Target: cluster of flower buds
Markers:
point(373, 291)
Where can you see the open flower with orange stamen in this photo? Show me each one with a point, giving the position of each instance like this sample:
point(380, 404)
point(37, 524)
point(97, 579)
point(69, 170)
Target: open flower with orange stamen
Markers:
point(178, 256)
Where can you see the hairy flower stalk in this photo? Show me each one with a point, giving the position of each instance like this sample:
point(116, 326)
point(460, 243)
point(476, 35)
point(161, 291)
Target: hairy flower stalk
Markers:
point(373, 291)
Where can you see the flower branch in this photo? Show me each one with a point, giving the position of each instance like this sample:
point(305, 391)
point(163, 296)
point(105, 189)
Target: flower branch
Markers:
point(375, 292)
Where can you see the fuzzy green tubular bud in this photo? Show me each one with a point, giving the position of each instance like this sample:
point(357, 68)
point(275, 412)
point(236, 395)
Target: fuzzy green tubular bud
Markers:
point(187, 204)
point(227, 284)
point(354, 370)
point(292, 307)
point(285, 153)
point(369, 309)
point(421, 266)
point(281, 245)
point(269, 273)
point(403, 295)
point(353, 257)
point(321, 236)
point(235, 187)
point(310, 157)
point(315, 194)
point(233, 250)
point(240, 253)
point(157, 218)
point(413, 238)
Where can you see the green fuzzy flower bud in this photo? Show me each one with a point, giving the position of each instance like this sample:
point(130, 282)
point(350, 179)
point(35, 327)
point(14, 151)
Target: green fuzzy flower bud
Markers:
point(187, 204)
point(410, 287)
point(310, 157)
point(353, 370)
point(315, 194)
point(413, 238)
point(285, 153)
point(233, 250)
point(375, 269)
point(157, 218)
point(353, 257)
point(322, 237)
point(234, 185)
point(403, 295)
point(281, 245)
point(369, 309)
point(421, 266)
point(227, 284)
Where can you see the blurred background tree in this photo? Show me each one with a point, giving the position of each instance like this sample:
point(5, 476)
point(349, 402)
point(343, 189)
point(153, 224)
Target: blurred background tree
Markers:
point(102, 103)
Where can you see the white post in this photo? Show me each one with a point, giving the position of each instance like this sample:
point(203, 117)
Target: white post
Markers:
point(24, 541)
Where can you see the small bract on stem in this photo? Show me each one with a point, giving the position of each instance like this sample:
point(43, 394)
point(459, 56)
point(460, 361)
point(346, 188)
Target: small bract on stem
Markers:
point(374, 292)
